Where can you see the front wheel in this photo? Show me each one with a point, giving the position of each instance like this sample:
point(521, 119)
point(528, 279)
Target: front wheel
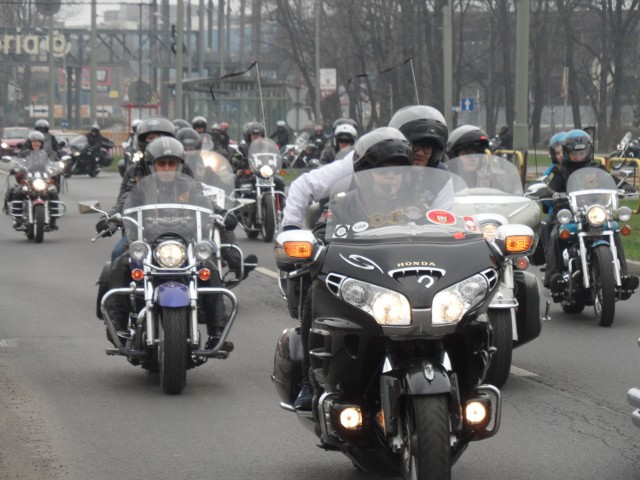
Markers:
point(173, 350)
point(38, 223)
point(603, 285)
point(427, 449)
point(268, 218)
point(500, 366)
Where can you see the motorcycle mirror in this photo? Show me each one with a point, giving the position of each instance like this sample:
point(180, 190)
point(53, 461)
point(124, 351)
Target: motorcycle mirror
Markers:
point(6, 158)
point(90, 206)
point(62, 144)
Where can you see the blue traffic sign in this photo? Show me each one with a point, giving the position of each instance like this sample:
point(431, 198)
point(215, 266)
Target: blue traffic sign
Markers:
point(466, 105)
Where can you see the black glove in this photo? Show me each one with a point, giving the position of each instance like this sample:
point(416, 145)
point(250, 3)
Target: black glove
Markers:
point(230, 222)
point(102, 225)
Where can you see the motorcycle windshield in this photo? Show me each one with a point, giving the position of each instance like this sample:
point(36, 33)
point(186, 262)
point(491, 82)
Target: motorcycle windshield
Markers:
point(487, 174)
point(592, 186)
point(215, 173)
point(398, 202)
point(264, 157)
point(38, 161)
point(167, 204)
point(79, 142)
point(301, 141)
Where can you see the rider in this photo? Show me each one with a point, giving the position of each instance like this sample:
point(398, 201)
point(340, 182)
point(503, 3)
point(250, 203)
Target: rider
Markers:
point(252, 131)
point(165, 157)
point(199, 124)
point(96, 139)
point(281, 135)
point(318, 139)
point(467, 139)
point(220, 141)
point(50, 144)
point(344, 137)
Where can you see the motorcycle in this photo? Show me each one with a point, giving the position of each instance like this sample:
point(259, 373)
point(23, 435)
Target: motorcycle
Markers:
point(129, 157)
point(171, 252)
point(88, 159)
point(256, 190)
point(628, 148)
point(401, 339)
point(497, 198)
point(36, 202)
point(589, 215)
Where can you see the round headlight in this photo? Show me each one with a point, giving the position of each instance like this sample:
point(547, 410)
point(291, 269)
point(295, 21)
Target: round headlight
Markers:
point(391, 309)
point(448, 307)
point(170, 254)
point(203, 250)
point(266, 171)
point(624, 214)
point(564, 216)
point(596, 216)
point(138, 250)
point(39, 184)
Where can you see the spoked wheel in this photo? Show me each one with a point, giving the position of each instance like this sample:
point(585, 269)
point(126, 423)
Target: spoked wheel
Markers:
point(500, 366)
point(603, 285)
point(173, 350)
point(268, 218)
point(427, 451)
point(38, 223)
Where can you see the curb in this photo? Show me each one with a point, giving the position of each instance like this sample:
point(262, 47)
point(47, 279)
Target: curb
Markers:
point(633, 266)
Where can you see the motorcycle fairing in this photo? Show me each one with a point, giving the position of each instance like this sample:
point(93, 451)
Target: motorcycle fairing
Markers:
point(173, 295)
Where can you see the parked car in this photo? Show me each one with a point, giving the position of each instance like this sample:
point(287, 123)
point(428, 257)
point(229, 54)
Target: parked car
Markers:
point(11, 137)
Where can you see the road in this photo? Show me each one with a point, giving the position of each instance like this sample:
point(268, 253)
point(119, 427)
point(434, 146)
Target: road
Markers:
point(68, 411)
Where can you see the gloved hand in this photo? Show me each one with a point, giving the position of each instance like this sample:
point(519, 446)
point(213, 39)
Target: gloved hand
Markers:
point(103, 224)
point(230, 222)
point(544, 192)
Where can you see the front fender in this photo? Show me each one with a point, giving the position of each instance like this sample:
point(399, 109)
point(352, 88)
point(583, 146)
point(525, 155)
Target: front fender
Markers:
point(173, 295)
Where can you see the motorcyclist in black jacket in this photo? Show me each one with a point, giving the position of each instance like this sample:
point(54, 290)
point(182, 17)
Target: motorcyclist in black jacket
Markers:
point(96, 140)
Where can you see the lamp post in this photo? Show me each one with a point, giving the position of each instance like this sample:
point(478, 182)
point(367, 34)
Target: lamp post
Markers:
point(94, 66)
point(179, 58)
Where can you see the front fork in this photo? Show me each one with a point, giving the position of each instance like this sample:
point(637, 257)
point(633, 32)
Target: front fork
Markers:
point(611, 243)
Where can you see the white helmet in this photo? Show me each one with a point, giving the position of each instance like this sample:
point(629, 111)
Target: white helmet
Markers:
point(344, 132)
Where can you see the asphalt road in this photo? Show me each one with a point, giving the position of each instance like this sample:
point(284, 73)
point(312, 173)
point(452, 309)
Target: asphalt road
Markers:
point(68, 411)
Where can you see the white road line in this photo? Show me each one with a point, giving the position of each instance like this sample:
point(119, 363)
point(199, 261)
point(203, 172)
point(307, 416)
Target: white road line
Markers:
point(267, 272)
point(521, 372)
point(3, 343)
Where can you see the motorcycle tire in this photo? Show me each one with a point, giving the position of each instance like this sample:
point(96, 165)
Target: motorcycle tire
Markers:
point(603, 285)
point(93, 172)
point(173, 350)
point(576, 307)
point(427, 449)
point(500, 366)
point(268, 218)
point(38, 223)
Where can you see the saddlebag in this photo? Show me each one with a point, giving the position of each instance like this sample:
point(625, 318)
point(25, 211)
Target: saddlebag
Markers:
point(528, 314)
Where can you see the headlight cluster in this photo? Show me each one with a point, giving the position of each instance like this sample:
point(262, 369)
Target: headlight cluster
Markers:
point(266, 171)
point(450, 305)
point(39, 184)
point(386, 306)
point(170, 254)
point(596, 215)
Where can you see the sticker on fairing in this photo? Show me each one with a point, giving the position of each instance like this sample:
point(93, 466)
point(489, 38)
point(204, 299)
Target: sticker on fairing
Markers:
point(441, 217)
point(360, 227)
point(341, 231)
point(470, 223)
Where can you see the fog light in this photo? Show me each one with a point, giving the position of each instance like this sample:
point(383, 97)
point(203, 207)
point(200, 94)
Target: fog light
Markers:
point(351, 418)
point(476, 412)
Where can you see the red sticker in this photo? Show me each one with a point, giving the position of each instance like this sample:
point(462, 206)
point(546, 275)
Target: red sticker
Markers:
point(470, 223)
point(441, 216)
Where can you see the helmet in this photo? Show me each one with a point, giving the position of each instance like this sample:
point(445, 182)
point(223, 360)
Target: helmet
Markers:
point(134, 125)
point(554, 141)
point(42, 125)
point(189, 138)
point(281, 124)
point(181, 123)
point(199, 122)
point(344, 132)
point(503, 129)
point(253, 128)
point(159, 125)
point(35, 136)
point(467, 137)
point(215, 126)
point(344, 121)
point(381, 146)
point(421, 123)
point(95, 128)
point(577, 141)
point(224, 126)
point(164, 147)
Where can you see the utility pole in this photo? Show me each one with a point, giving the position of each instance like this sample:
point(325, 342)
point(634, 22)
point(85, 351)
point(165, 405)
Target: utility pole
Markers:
point(317, 47)
point(448, 64)
point(521, 125)
point(52, 75)
point(179, 58)
point(94, 65)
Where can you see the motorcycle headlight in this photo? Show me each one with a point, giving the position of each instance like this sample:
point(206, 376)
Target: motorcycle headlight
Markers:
point(385, 306)
point(266, 171)
point(4, 145)
point(489, 230)
point(39, 184)
point(624, 214)
point(596, 215)
point(203, 250)
point(138, 250)
point(170, 254)
point(451, 304)
point(564, 216)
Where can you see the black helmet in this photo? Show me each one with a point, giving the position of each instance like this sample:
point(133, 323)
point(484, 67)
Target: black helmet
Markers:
point(181, 123)
point(423, 124)
point(199, 122)
point(164, 147)
point(35, 136)
point(95, 128)
point(42, 125)
point(189, 138)
point(381, 146)
point(253, 128)
point(577, 141)
point(344, 121)
point(159, 125)
point(467, 137)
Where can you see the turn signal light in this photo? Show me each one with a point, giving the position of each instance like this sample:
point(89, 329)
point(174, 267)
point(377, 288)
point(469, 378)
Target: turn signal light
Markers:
point(204, 274)
point(298, 249)
point(137, 274)
point(626, 230)
point(247, 172)
point(564, 234)
point(522, 263)
point(518, 243)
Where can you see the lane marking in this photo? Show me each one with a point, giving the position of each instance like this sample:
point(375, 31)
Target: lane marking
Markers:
point(3, 343)
point(521, 372)
point(267, 272)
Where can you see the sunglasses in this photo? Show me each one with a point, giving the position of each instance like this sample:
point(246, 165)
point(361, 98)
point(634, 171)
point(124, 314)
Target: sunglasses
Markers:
point(166, 162)
point(425, 147)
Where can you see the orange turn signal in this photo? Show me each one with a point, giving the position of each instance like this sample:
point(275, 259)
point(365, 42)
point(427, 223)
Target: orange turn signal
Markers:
point(137, 274)
point(298, 249)
point(564, 234)
point(626, 230)
point(247, 172)
point(204, 274)
point(518, 243)
point(522, 263)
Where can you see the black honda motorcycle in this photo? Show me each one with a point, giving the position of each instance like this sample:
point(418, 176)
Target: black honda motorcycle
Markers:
point(88, 159)
point(401, 339)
